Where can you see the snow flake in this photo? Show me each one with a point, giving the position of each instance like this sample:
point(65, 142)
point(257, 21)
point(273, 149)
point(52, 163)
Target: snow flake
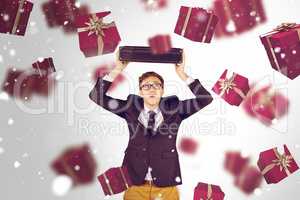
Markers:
point(77, 4)
point(17, 164)
point(61, 185)
point(12, 52)
point(113, 104)
point(4, 96)
point(253, 13)
point(257, 191)
point(177, 179)
point(1, 139)
point(77, 167)
point(277, 49)
point(41, 59)
point(294, 52)
point(282, 55)
point(1, 58)
point(10, 121)
point(1, 150)
point(6, 17)
point(230, 26)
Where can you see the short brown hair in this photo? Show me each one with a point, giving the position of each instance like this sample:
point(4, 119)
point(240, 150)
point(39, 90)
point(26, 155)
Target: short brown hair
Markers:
point(148, 74)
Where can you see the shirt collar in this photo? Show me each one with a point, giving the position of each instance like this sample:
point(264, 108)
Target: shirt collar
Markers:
point(146, 109)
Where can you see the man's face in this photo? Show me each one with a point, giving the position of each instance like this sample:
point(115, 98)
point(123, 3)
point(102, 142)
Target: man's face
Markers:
point(151, 89)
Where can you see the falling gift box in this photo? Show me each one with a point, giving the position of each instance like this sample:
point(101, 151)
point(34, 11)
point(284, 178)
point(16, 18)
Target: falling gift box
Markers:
point(266, 104)
point(208, 192)
point(44, 67)
point(249, 179)
point(115, 180)
point(233, 90)
point(104, 70)
point(160, 44)
point(95, 36)
point(76, 162)
point(237, 16)
point(15, 16)
point(51, 14)
point(19, 84)
point(196, 24)
point(275, 166)
point(235, 162)
point(151, 5)
point(188, 145)
point(283, 48)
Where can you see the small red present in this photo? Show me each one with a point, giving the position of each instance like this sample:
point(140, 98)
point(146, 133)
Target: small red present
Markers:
point(70, 26)
point(233, 90)
point(235, 162)
point(155, 4)
point(77, 163)
point(188, 145)
point(15, 16)
point(160, 44)
point(196, 24)
point(283, 48)
point(50, 13)
point(95, 36)
point(205, 191)
point(44, 67)
point(237, 16)
point(115, 180)
point(19, 84)
point(266, 104)
point(275, 166)
point(44, 85)
point(249, 179)
point(104, 70)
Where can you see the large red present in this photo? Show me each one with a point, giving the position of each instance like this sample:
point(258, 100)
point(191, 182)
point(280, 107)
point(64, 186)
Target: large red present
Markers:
point(266, 104)
point(160, 44)
point(237, 16)
point(44, 67)
point(283, 47)
point(235, 162)
point(104, 70)
point(115, 180)
point(19, 84)
point(95, 36)
point(275, 166)
point(15, 16)
point(188, 145)
point(233, 90)
point(205, 191)
point(196, 24)
point(78, 163)
point(249, 179)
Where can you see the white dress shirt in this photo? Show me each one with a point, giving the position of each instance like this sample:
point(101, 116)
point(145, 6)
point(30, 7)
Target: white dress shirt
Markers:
point(144, 117)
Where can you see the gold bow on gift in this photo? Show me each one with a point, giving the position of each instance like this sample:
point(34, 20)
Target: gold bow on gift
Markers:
point(285, 26)
point(226, 85)
point(283, 161)
point(96, 26)
point(209, 192)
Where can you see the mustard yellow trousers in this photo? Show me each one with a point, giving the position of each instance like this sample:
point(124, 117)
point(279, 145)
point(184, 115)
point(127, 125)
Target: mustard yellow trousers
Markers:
point(148, 191)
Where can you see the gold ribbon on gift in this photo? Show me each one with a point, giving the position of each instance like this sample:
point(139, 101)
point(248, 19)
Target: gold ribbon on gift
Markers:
point(227, 84)
point(280, 28)
point(18, 16)
point(108, 184)
point(283, 162)
point(187, 19)
point(96, 26)
point(209, 192)
point(123, 177)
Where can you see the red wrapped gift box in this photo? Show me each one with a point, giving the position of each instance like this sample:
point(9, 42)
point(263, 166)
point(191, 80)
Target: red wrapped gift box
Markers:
point(196, 24)
point(15, 16)
point(95, 36)
point(104, 70)
point(275, 166)
point(233, 90)
point(160, 44)
point(283, 48)
point(237, 16)
point(249, 179)
point(188, 145)
point(115, 180)
point(235, 162)
point(44, 67)
point(155, 4)
point(19, 84)
point(266, 104)
point(43, 85)
point(63, 13)
point(77, 163)
point(207, 191)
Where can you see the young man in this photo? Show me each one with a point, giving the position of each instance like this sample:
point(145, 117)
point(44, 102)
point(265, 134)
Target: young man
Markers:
point(153, 121)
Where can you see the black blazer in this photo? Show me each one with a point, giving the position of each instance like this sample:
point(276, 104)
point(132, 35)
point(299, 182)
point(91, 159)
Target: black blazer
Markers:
point(158, 151)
